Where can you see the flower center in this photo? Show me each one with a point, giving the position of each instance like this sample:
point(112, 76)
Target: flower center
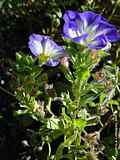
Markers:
point(43, 57)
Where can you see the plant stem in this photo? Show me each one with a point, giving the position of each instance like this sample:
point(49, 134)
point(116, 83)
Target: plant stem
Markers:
point(116, 134)
point(114, 9)
point(6, 91)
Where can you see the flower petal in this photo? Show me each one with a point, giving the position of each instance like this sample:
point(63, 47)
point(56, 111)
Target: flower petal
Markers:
point(98, 43)
point(82, 39)
point(107, 29)
point(52, 49)
point(44, 45)
point(52, 63)
point(35, 44)
point(89, 18)
point(70, 15)
point(71, 30)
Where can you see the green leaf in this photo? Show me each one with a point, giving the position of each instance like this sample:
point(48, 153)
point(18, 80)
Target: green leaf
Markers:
point(79, 123)
point(67, 143)
point(53, 123)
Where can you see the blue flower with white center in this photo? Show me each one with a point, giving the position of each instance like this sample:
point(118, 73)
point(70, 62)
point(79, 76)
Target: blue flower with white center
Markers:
point(45, 49)
point(89, 29)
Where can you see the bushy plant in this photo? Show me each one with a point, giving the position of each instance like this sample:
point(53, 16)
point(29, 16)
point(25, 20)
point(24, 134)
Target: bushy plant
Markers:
point(68, 88)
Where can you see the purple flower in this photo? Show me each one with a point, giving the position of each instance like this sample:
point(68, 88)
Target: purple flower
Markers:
point(89, 29)
point(46, 49)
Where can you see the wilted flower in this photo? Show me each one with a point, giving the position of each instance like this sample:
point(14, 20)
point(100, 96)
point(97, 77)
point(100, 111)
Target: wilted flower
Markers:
point(89, 29)
point(46, 49)
point(65, 61)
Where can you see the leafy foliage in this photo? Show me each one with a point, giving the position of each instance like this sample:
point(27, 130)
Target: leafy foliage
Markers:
point(73, 107)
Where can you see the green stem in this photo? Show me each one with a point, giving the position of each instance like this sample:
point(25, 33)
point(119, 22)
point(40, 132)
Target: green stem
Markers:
point(116, 134)
point(114, 9)
point(6, 91)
